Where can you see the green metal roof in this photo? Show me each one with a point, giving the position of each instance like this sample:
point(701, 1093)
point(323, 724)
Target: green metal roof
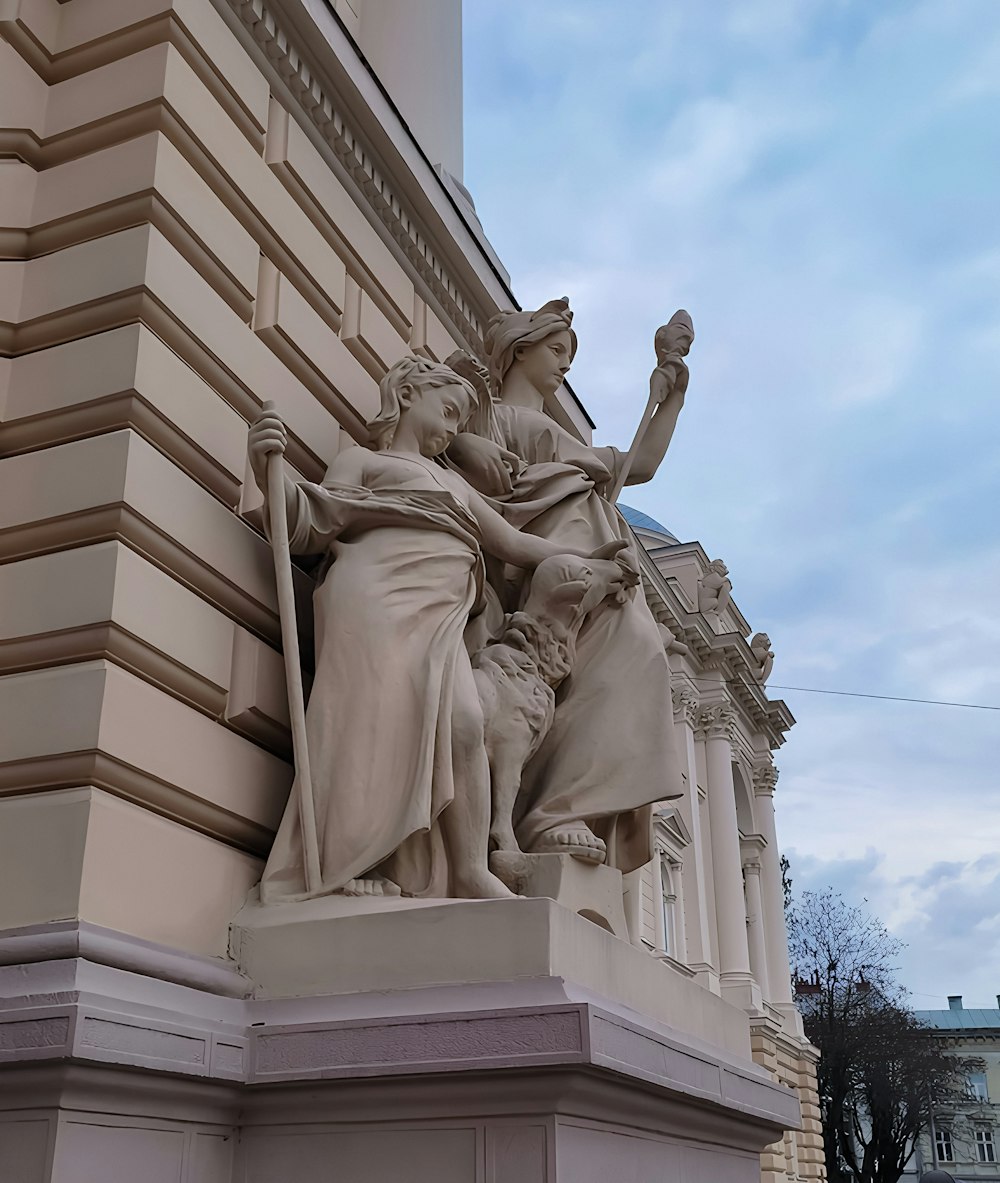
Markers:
point(966, 1019)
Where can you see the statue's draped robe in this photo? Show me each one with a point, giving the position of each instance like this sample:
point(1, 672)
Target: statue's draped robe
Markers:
point(392, 676)
point(610, 752)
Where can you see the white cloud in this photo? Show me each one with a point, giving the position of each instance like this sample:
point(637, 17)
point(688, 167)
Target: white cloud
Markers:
point(817, 182)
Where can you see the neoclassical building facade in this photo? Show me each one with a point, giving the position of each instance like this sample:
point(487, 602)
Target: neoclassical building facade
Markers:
point(206, 204)
point(711, 903)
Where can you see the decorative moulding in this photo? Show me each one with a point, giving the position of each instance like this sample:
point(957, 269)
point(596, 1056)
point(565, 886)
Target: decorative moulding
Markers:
point(765, 779)
point(726, 652)
point(685, 703)
point(717, 721)
point(271, 31)
point(66, 939)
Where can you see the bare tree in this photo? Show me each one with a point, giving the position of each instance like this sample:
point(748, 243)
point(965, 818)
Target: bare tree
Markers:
point(880, 1070)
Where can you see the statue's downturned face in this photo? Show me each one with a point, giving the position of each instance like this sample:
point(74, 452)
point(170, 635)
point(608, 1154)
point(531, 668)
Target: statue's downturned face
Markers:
point(545, 363)
point(436, 415)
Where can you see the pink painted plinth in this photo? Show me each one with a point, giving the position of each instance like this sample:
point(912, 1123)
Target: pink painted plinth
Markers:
point(128, 1061)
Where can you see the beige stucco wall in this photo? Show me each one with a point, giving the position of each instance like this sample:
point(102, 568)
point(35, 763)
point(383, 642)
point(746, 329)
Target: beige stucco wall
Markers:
point(416, 50)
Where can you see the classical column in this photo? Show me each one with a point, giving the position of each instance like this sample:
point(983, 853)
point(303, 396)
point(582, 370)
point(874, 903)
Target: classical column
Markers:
point(698, 937)
point(752, 848)
point(716, 725)
point(765, 777)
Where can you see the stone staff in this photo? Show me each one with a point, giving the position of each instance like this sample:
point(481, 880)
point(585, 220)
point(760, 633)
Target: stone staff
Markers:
point(278, 528)
point(672, 342)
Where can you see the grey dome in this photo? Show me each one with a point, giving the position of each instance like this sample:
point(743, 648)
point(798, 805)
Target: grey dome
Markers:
point(642, 521)
point(937, 1177)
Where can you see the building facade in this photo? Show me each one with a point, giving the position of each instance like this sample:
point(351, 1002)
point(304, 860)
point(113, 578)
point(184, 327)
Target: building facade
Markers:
point(964, 1136)
point(711, 903)
point(205, 204)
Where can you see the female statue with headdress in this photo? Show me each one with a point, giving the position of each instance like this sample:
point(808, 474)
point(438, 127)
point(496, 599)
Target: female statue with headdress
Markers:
point(610, 752)
point(400, 788)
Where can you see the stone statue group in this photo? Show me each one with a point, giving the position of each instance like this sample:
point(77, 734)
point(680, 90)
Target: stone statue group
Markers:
point(488, 681)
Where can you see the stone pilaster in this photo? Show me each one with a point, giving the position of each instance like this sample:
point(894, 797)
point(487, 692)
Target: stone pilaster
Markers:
point(752, 848)
point(765, 777)
point(698, 940)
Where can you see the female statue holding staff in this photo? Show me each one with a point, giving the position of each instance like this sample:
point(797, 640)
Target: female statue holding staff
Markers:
point(610, 752)
point(400, 779)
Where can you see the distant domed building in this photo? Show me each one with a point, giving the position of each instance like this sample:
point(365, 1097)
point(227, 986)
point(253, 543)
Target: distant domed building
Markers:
point(649, 531)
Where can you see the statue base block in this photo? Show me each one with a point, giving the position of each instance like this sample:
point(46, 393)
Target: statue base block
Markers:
point(346, 945)
point(592, 890)
point(445, 1041)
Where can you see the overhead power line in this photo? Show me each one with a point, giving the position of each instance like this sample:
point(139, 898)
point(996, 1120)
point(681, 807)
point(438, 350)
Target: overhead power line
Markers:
point(934, 702)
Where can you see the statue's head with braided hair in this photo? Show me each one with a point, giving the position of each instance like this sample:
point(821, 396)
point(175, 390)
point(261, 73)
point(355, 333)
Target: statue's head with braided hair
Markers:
point(515, 337)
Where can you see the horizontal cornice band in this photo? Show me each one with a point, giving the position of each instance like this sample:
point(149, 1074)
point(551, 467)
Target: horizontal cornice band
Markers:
point(66, 939)
point(123, 524)
point(68, 770)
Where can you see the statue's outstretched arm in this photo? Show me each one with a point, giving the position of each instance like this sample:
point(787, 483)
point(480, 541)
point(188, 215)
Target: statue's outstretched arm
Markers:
point(669, 384)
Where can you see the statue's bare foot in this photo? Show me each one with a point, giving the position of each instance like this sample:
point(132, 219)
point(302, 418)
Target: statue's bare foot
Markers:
point(510, 867)
point(481, 885)
point(575, 839)
point(369, 887)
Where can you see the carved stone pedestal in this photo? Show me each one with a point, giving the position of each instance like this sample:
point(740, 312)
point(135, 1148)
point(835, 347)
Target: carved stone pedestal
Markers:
point(591, 890)
point(501, 1041)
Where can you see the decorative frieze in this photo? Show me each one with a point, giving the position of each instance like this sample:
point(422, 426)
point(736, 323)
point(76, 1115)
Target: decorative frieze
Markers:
point(322, 109)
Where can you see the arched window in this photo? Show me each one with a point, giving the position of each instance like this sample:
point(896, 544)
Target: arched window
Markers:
point(666, 885)
point(668, 906)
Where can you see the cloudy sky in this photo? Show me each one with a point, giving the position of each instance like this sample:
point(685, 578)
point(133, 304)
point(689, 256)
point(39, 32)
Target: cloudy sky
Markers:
point(818, 182)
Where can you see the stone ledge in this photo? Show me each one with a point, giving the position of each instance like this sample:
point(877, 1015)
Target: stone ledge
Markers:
point(248, 1050)
point(69, 939)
